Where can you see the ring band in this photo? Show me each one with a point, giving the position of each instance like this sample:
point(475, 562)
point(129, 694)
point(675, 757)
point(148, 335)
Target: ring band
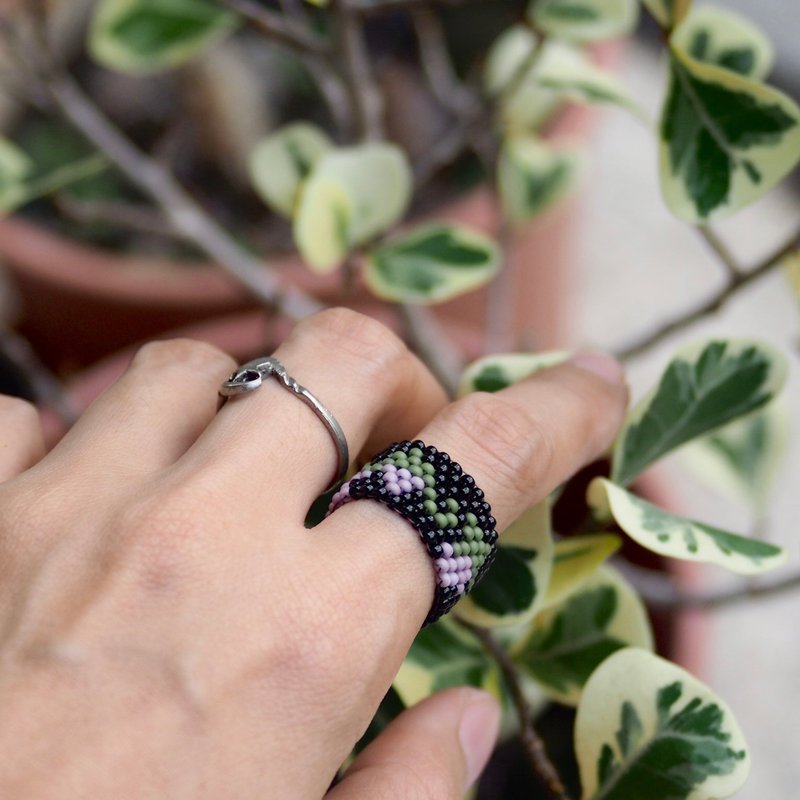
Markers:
point(251, 376)
point(431, 491)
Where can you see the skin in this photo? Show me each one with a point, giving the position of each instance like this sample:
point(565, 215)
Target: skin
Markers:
point(169, 627)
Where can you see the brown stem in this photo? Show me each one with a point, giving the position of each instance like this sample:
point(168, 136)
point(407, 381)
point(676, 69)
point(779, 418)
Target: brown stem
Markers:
point(719, 247)
point(734, 285)
point(534, 747)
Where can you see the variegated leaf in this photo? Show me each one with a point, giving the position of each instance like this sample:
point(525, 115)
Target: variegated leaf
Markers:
point(15, 166)
point(533, 175)
point(647, 729)
point(281, 162)
point(791, 267)
point(705, 385)
point(431, 264)
point(147, 36)
point(726, 39)
point(679, 537)
point(513, 590)
point(495, 372)
point(568, 641)
point(585, 20)
point(668, 13)
point(726, 140)
point(575, 560)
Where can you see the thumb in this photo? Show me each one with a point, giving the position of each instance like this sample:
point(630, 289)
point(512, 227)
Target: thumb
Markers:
point(435, 749)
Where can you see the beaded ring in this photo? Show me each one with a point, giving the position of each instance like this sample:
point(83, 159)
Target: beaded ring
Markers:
point(431, 491)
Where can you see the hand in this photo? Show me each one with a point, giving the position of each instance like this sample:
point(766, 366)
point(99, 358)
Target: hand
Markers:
point(169, 627)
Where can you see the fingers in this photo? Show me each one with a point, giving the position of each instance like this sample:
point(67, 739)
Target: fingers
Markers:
point(21, 437)
point(359, 370)
point(434, 750)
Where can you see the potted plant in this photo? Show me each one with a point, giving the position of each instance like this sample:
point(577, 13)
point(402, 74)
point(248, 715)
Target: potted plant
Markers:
point(374, 214)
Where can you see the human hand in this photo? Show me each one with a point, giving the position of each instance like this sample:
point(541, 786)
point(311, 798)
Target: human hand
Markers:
point(169, 627)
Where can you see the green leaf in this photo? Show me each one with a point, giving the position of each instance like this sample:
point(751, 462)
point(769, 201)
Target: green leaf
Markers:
point(706, 385)
point(742, 459)
point(647, 729)
point(791, 268)
point(726, 39)
point(567, 642)
point(14, 169)
point(352, 195)
point(281, 162)
point(513, 589)
point(533, 175)
point(726, 140)
point(575, 560)
point(432, 263)
point(496, 372)
point(440, 657)
point(585, 20)
point(668, 13)
point(679, 537)
point(148, 36)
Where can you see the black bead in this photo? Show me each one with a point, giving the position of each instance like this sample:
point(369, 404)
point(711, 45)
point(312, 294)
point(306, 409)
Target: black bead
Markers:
point(491, 521)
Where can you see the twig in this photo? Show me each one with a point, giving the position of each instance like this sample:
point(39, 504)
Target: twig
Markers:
point(734, 285)
point(370, 7)
point(725, 256)
point(659, 591)
point(138, 218)
point(534, 747)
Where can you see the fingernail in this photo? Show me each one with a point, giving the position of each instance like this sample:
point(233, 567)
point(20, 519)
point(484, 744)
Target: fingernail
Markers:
point(602, 365)
point(480, 722)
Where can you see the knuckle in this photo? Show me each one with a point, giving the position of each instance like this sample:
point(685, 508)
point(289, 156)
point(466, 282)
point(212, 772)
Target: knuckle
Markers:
point(510, 444)
point(185, 352)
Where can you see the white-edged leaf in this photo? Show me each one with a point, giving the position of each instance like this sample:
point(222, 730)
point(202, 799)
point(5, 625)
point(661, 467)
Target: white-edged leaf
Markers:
point(718, 36)
point(496, 372)
point(679, 537)
point(585, 20)
point(148, 36)
point(726, 140)
point(513, 589)
point(432, 263)
point(706, 384)
point(647, 729)
point(743, 458)
point(352, 195)
point(568, 641)
point(440, 657)
point(15, 166)
point(533, 175)
point(791, 268)
point(280, 163)
point(668, 13)
point(575, 560)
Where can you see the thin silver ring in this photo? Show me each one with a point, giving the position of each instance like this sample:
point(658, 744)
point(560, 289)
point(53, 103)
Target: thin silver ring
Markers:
point(251, 376)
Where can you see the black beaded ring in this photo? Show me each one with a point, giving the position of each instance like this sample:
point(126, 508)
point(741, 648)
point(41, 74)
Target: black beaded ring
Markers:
point(442, 502)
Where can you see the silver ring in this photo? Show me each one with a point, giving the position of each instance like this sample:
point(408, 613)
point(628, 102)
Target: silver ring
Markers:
point(251, 375)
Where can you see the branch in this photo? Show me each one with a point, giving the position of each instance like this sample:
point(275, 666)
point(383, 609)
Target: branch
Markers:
point(721, 249)
point(535, 750)
point(734, 285)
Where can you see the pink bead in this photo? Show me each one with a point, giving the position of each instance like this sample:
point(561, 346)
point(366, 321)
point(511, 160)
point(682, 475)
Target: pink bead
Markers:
point(442, 579)
point(468, 561)
point(403, 473)
point(405, 485)
point(389, 468)
point(452, 564)
point(441, 564)
point(393, 488)
point(447, 549)
point(345, 490)
point(390, 479)
point(417, 482)
point(460, 563)
point(460, 588)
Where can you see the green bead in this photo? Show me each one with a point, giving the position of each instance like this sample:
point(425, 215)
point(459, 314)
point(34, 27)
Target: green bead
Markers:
point(452, 519)
point(429, 469)
point(415, 470)
point(452, 504)
point(415, 451)
point(399, 455)
point(429, 480)
point(441, 520)
point(469, 533)
point(430, 506)
point(415, 460)
point(471, 519)
point(478, 533)
point(458, 548)
point(430, 493)
point(473, 547)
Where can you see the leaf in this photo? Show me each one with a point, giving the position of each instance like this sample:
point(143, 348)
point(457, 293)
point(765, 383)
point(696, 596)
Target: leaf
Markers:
point(148, 36)
point(668, 13)
point(14, 168)
point(742, 459)
point(585, 20)
point(513, 589)
point(726, 39)
point(791, 266)
point(495, 372)
point(431, 264)
point(281, 162)
point(575, 560)
point(352, 195)
point(679, 537)
point(647, 729)
point(725, 140)
point(533, 175)
point(567, 642)
point(439, 658)
point(705, 385)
